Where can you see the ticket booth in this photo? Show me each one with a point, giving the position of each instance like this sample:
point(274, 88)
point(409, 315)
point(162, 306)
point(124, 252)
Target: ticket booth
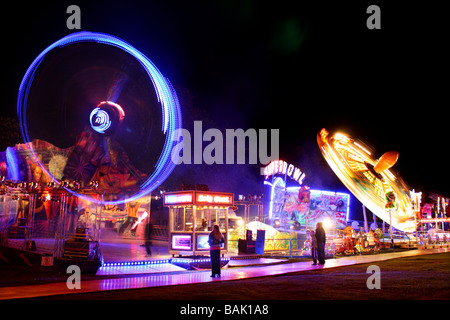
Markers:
point(192, 215)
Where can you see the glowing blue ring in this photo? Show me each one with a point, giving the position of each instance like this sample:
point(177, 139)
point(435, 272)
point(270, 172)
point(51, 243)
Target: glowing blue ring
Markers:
point(102, 122)
point(171, 113)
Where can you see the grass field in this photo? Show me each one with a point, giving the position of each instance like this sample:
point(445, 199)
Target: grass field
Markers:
point(424, 277)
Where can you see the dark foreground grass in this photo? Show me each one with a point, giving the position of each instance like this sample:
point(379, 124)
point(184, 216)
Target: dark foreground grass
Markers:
point(422, 277)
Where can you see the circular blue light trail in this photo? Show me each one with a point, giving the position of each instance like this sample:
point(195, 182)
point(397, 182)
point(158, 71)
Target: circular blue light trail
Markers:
point(171, 113)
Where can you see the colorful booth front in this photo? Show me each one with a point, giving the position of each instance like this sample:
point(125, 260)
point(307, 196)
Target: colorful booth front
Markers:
point(192, 215)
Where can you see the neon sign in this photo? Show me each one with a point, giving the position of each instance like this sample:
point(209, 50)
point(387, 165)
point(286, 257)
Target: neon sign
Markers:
point(198, 198)
point(178, 198)
point(282, 167)
point(182, 242)
point(214, 199)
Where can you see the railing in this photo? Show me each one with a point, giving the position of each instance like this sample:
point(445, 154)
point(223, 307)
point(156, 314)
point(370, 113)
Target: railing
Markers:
point(292, 248)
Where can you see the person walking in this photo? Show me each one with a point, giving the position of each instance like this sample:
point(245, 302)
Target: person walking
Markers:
point(321, 239)
point(313, 247)
point(215, 240)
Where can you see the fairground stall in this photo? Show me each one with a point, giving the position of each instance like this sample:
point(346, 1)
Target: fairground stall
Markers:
point(192, 215)
point(293, 206)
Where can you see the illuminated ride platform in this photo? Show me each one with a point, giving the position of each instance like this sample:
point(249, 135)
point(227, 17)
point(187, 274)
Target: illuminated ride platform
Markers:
point(192, 215)
point(125, 256)
point(130, 257)
point(91, 168)
point(53, 231)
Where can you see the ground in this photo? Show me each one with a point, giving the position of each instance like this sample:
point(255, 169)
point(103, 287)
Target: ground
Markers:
point(424, 277)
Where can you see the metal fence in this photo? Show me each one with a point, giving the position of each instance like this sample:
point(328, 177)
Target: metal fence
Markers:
point(40, 221)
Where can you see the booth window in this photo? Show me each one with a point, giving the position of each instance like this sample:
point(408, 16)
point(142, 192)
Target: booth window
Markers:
point(206, 218)
point(182, 219)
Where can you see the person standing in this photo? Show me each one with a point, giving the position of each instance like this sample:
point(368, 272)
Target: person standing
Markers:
point(149, 233)
point(215, 240)
point(313, 247)
point(321, 239)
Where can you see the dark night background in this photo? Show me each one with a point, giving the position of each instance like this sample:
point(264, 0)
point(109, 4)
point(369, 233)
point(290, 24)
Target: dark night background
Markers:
point(288, 65)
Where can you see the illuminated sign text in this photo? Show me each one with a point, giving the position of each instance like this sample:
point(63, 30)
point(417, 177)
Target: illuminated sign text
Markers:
point(282, 167)
point(178, 198)
point(214, 199)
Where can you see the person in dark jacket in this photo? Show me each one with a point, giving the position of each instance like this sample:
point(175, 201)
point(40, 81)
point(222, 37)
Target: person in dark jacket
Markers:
point(313, 247)
point(215, 240)
point(321, 239)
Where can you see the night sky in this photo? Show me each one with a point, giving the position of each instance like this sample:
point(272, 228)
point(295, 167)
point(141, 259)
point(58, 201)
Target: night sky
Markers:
point(275, 65)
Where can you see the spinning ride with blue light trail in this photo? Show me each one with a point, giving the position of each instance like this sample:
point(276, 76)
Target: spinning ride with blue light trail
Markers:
point(111, 110)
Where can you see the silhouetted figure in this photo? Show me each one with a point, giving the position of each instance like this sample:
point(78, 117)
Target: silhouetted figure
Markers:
point(321, 239)
point(313, 247)
point(215, 240)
